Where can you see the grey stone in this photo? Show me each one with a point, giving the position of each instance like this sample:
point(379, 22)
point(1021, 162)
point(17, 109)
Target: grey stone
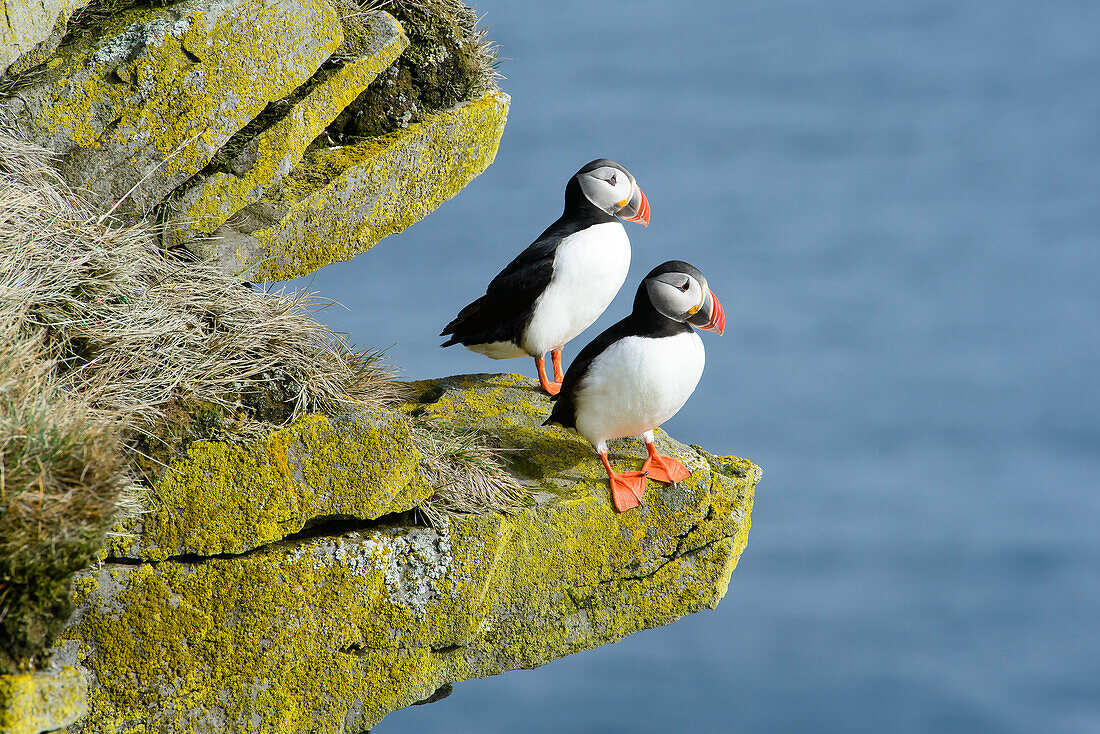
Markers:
point(136, 110)
point(330, 632)
point(32, 29)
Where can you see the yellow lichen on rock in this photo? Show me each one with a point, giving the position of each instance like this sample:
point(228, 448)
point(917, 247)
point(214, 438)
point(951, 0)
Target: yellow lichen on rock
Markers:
point(31, 30)
point(31, 703)
point(339, 202)
point(277, 148)
point(144, 104)
point(329, 633)
point(511, 413)
point(225, 498)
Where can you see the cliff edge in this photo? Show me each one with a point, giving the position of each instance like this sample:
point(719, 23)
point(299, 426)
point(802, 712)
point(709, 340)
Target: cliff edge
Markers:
point(262, 539)
point(291, 581)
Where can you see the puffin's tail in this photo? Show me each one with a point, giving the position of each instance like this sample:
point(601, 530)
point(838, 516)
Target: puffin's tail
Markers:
point(464, 325)
point(561, 414)
point(452, 329)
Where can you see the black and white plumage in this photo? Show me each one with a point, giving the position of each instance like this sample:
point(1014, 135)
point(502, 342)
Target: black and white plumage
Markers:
point(639, 373)
point(563, 281)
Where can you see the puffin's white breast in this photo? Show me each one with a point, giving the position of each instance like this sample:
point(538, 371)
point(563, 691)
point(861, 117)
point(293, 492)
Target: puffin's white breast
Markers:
point(589, 268)
point(637, 384)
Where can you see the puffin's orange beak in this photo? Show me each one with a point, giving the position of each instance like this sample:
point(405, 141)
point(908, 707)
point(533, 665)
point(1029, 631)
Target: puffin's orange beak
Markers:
point(718, 318)
point(637, 209)
point(712, 312)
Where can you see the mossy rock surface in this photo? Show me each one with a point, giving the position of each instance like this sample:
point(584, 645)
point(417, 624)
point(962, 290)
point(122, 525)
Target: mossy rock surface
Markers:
point(329, 633)
point(442, 67)
point(30, 31)
point(225, 498)
point(141, 104)
point(46, 701)
point(341, 201)
point(225, 120)
point(266, 149)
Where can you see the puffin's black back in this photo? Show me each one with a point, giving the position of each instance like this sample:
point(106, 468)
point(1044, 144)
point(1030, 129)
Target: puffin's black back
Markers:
point(644, 320)
point(505, 310)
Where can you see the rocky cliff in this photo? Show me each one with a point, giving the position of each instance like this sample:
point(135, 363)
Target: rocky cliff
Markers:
point(286, 578)
point(219, 118)
point(286, 582)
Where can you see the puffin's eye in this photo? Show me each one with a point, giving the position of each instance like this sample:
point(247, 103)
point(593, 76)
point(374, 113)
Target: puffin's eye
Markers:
point(611, 180)
point(686, 286)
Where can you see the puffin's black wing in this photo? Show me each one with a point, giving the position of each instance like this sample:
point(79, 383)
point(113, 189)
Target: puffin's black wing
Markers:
point(505, 309)
point(503, 312)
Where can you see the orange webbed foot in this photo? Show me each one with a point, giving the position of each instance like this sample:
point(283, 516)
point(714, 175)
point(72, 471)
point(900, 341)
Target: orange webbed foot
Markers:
point(627, 489)
point(665, 469)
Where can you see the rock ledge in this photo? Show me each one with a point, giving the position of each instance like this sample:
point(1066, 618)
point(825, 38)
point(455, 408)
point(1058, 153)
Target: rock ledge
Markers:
point(330, 628)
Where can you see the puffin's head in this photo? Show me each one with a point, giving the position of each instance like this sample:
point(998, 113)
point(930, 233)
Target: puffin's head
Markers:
point(680, 292)
point(611, 187)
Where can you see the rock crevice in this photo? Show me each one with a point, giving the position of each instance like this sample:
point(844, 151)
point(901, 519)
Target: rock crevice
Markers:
point(331, 526)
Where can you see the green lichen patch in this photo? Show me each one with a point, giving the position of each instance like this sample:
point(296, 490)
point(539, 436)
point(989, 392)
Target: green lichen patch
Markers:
point(510, 410)
point(340, 201)
point(140, 106)
point(230, 498)
point(259, 154)
point(331, 634)
point(31, 703)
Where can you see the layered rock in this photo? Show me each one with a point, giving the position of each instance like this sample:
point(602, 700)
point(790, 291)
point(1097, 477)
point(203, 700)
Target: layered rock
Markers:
point(141, 106)
point(213, 117)
point(230, 499)
point(340, 201)
point(273, 143)
point(357, 613)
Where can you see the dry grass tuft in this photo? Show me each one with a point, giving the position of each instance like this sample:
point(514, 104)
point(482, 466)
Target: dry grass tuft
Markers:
point(61, 483)
point(468, 476)
point(59, 462)
point(106, 343)
point(132, 330)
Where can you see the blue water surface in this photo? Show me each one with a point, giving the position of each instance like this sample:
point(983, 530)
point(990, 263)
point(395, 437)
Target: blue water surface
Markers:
point(899, 205)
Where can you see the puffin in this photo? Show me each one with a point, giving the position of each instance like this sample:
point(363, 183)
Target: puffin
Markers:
point(563, 281)
point(639, 373)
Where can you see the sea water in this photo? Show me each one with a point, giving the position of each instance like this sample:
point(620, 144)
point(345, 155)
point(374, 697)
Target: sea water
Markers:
point(898, 204)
